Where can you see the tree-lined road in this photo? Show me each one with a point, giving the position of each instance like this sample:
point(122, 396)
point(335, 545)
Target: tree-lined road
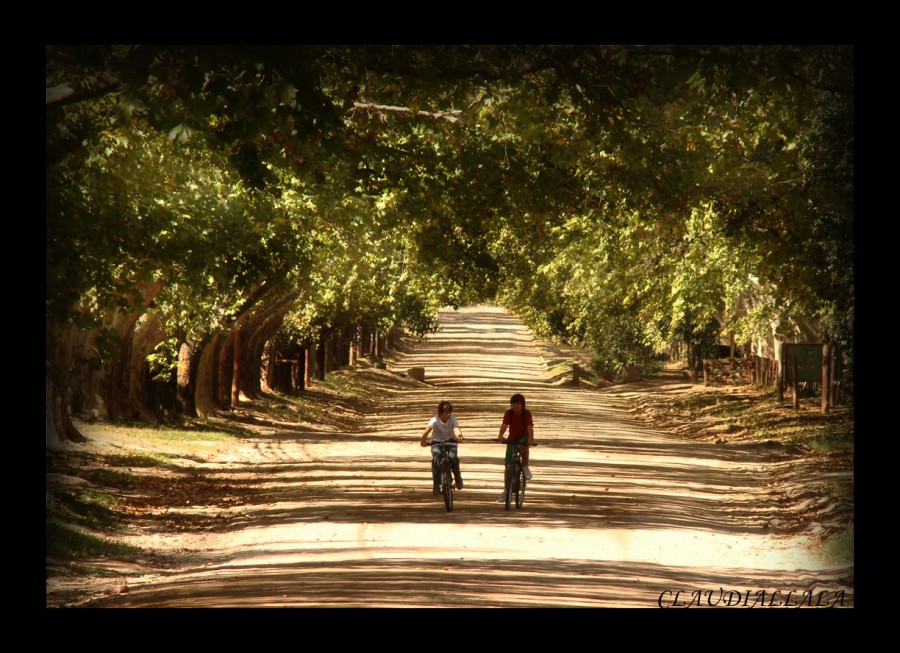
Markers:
point(616, 516)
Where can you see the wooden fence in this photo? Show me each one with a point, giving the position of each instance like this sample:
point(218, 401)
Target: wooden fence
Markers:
point(765, 373)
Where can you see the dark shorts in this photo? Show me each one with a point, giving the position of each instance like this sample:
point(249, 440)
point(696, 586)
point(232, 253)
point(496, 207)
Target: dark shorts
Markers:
point(511, 448)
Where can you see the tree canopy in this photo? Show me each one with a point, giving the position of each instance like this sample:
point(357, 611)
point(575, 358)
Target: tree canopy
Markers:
point(621, 197)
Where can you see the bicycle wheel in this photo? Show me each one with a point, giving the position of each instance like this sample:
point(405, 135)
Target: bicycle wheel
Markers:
point(508, 484)
point(520, 486)
point(447, 484)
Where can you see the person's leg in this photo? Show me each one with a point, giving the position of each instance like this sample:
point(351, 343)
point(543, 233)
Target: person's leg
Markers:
point(510, 449)
point(454, 464)
point(525, 455)
point(435, 469)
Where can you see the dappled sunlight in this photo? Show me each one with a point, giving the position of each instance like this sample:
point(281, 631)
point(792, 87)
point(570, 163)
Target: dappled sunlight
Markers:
point(616, 515)
point(292, 575)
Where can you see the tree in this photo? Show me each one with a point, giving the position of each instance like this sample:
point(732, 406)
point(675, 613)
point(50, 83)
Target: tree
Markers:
point(198, 197)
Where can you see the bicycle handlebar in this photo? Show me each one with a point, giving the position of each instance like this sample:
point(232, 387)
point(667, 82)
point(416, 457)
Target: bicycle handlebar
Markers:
point(432, 442)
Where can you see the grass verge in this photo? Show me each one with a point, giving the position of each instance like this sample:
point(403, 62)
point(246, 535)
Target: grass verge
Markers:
point(68, 541)
point(192, 431)
point(839, 548)
point(756, 415)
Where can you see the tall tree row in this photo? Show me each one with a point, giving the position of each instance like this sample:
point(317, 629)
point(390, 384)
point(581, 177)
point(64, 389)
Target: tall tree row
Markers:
point(206, 204)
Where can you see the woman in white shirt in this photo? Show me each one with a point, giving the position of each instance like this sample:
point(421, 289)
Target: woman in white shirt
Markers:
point(445, 428)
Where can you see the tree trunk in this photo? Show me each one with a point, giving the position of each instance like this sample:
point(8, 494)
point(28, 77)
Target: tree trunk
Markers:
point(271, 368)
point(312, 362)
point(186, 379)
point(262, 313)
point(206, 389)
point(224, 371)
point(320, 357)
point(335, 351)
point(236, 367)
point(87, 387)
point(302, 372)
point(353, 347)
point(59, 424)
point(284, 374)
point(257, 328)
point(142, 389)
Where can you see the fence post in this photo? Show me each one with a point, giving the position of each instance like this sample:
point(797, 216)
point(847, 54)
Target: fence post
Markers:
point(796, 384)
point(835, 375)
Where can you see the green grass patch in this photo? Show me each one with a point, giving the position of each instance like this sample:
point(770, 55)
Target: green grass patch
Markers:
point(88, 508)
point(559, 369)
point(67, 541)
point(281, 407)
point(563, 369)
point(839, 548)
point(342, 391)
point(346, 383)
point(109, 478)
point(193, 431)
point(839, 492)
point(761, 416)
point(136, 460)
point(832, 438)
point(813, 430)
point(694, 403)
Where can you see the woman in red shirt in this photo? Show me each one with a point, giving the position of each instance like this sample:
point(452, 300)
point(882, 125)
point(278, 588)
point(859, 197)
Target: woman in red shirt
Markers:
point(521, 431)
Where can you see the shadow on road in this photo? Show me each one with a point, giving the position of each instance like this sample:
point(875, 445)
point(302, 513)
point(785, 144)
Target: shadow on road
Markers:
point(616, 515)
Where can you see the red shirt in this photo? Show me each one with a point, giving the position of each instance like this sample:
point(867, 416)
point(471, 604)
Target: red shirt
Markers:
point(518, 424)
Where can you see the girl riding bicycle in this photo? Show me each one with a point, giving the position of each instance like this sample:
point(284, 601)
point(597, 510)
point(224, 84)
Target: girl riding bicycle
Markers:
point(446, 429)
point(521, 432)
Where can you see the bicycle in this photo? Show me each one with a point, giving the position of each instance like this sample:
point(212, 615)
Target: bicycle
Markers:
point(514, 478)
point(446, 471)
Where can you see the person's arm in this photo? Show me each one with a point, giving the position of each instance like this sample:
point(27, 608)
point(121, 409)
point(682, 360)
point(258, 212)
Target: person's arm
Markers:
point(424, 441)
point(530, 435)
point(503, 428)
point(457, 431)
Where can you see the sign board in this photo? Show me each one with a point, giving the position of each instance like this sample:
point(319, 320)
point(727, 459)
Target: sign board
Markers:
point(809, 362)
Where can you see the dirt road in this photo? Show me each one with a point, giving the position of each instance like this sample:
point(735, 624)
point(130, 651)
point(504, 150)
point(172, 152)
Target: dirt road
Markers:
point(616, 515)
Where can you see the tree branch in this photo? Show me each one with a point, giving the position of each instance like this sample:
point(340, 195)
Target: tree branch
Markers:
point(449, 116)
point(58, 96)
